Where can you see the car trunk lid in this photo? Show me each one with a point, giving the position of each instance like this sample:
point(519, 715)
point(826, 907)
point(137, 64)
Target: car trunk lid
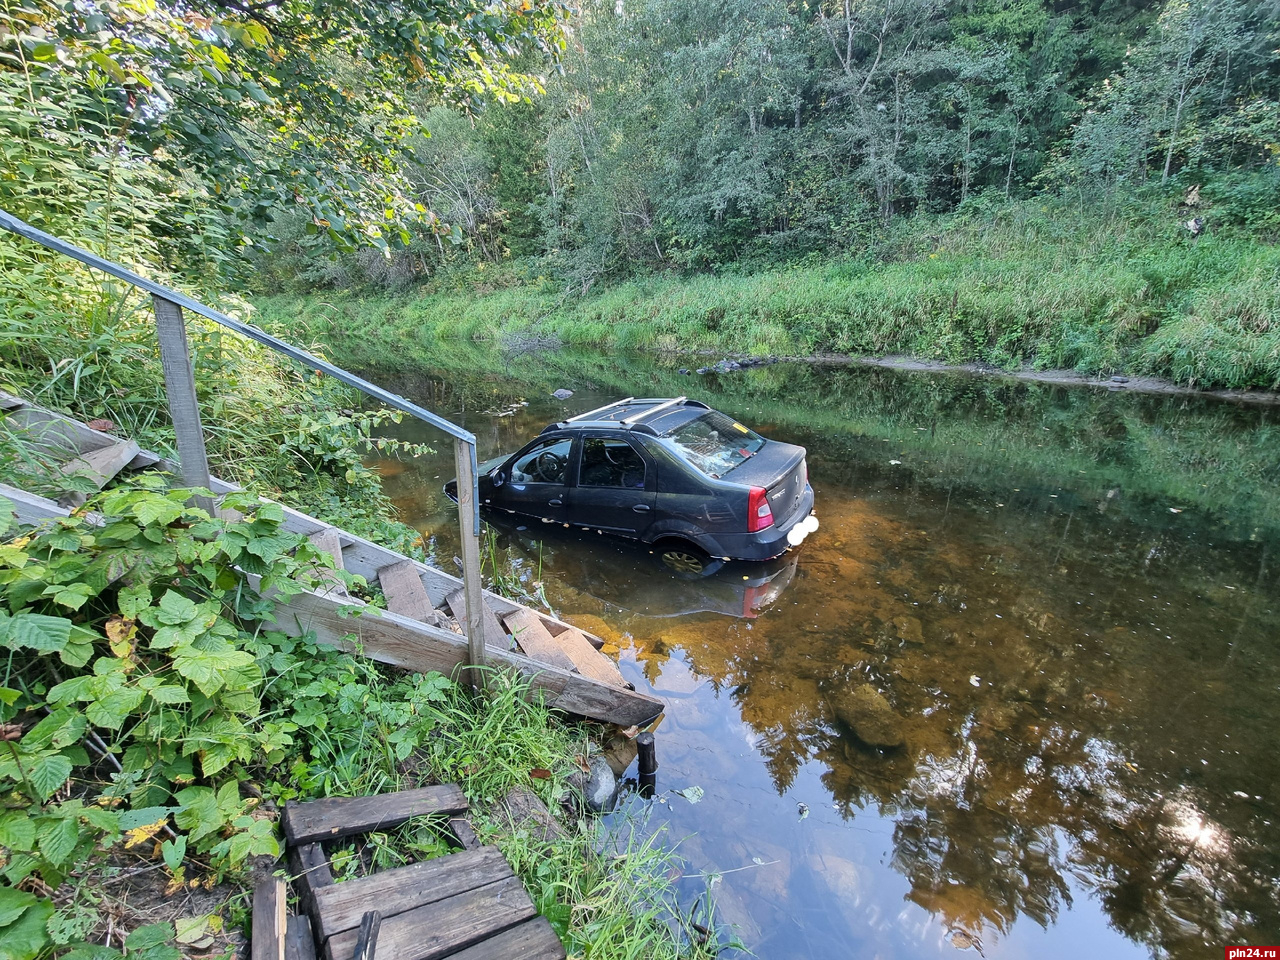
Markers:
point(780, 469)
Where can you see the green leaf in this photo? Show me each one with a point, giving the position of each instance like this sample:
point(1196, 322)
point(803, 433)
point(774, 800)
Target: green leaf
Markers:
point(27, 936)
point(48, 773)
point(169, 693)
point(59, 839)
point(13, 903)
point(17, 832)
point(57, 730)
point(7, 514)
point(152, 935)
point(174, 852)
point(38, 632)
point(199, 815)
point(112, 710)
point(157, 511)
point(176, 609)
point(145, 816)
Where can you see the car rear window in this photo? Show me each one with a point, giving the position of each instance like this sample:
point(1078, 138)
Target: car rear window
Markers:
point(714, 443)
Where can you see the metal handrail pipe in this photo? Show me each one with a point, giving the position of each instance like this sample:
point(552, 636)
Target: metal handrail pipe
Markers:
point(23, 229)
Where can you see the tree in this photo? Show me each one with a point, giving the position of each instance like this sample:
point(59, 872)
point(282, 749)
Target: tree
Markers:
point(300, 101)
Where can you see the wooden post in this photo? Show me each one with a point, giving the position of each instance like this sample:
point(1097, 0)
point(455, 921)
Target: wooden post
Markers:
point(462, 456)
point(268, 920)
point(180, 383)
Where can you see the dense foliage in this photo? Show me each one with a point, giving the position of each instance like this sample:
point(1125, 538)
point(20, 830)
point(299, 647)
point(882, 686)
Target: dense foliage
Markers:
point(707, 135)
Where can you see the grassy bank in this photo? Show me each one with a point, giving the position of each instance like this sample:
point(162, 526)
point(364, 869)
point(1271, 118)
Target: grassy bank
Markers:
point(1046, 286)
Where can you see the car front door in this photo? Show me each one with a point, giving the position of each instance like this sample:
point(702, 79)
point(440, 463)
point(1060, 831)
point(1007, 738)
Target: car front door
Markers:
point(617, 486)
point(535, 481)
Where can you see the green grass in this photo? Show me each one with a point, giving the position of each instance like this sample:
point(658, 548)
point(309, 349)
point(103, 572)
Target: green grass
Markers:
point(1029, 284)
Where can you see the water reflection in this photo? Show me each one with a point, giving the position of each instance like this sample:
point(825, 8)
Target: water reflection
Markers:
point(1024, 706)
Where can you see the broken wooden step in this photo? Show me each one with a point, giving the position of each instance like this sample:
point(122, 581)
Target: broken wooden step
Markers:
point(533, 638)
point(494, 636)
point(98, 467)
point(330, 819)
point(589, 661)
point(405, 592)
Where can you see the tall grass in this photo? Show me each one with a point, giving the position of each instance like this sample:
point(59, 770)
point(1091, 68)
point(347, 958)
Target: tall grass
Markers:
point(1029, 284)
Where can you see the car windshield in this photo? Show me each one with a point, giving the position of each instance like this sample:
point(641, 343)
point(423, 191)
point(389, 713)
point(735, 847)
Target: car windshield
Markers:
point(714, 443)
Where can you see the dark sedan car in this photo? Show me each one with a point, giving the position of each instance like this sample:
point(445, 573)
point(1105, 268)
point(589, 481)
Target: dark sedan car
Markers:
point(673, 473)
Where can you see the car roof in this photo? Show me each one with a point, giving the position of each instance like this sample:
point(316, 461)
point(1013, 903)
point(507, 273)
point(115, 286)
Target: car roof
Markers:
point(652, 415)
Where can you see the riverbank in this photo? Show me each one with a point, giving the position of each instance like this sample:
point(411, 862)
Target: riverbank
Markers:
point(1030, 290)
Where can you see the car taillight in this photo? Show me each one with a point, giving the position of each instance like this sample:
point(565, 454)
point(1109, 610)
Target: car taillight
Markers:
point(759, 515)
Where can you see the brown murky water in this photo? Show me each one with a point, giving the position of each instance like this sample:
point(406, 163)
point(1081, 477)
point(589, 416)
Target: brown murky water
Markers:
point(1056, 611)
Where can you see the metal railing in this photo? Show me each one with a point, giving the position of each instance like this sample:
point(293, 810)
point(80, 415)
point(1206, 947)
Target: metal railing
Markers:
point(179, 375)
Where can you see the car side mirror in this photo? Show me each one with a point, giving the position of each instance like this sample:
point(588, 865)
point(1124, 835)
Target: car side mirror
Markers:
point(497, 478)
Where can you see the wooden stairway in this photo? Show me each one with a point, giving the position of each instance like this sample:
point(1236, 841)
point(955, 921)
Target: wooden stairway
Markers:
point(467, 905)
point(422, 626)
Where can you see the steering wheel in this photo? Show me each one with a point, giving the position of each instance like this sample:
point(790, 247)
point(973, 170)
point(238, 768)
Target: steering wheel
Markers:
point(549, 467)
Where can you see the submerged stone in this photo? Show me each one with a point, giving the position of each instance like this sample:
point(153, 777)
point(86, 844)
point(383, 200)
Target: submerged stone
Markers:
point(602, 785)
point(562, 394)
point(868, 714)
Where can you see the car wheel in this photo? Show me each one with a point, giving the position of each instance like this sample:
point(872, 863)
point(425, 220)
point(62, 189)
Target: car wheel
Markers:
point(684, 560)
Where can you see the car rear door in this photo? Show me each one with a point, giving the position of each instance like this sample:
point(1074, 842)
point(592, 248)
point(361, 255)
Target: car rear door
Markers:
point(617, 486)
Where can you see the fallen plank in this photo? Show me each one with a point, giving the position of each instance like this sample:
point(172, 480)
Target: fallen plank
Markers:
point(341, 906)
point(495, 638)
point(405, 593)
point(442, 928)
point(98, 467)
point(268, 920)
point(534, 640)
point(298, 942)
point(462, 832)
point(320, 820)
point(389, 638)
point(589, 661)
point(31, 508)
point(532, 940)
point(59, 432)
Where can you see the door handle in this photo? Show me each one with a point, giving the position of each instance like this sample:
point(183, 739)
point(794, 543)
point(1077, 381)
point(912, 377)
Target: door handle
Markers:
point(641, 508)
point(554, 503)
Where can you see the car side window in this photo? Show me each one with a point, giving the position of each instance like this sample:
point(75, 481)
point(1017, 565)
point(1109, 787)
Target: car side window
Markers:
point(548, 462)
point(609, 462)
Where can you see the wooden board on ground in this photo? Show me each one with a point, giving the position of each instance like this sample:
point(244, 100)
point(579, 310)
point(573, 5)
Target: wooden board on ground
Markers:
point(495, 638)
point(98, 467)
point(341, 906)
point(533, 638)
point(405, 593)
point(442, 928)
point(532, 940)
point(589, 661)
point(320, 820)
point(269, 902)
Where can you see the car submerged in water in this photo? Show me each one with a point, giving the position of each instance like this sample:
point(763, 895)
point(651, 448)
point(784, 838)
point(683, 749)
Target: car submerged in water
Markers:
point(674, 473)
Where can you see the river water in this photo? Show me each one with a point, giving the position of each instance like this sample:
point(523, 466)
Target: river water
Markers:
point(1069, 598)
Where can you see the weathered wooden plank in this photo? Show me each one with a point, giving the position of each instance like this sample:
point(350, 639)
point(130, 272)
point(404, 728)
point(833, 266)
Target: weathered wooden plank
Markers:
point(309, 865)
point(298, 942)
point(318, 820)
point(405, 593)
point(180, 385)
point(589, 661)
point(55, 431)
point(534, 640)
point(495, 638)
point(268, 920)
point(9, 402)
point(390, 638)
point(341, 906)
point(532, 940)
point(328, 541)
point(473, 612)
point(98, 466)
point(442, 928)
point(30, 508)
point(462, 832)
